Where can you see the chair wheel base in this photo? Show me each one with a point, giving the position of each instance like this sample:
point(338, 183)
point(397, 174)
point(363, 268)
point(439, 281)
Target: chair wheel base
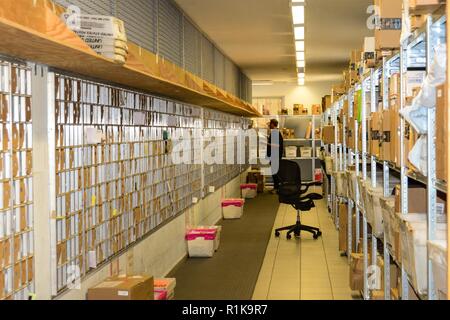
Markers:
point(317, 235)
point(289, 237)
point(277, 234)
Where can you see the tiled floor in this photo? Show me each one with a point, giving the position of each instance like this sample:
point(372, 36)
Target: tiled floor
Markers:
point(304, 269)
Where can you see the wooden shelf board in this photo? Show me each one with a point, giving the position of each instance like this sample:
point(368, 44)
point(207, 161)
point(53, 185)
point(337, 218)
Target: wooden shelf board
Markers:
point(74, 56)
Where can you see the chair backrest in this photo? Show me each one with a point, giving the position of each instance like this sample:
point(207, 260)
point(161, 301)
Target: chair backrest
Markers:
point(289, 171)
point(289, 174)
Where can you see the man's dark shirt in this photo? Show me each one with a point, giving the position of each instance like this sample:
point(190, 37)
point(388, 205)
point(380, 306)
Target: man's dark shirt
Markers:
point(276, 149)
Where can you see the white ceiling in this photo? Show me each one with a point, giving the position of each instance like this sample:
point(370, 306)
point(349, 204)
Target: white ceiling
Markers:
point(258, 35)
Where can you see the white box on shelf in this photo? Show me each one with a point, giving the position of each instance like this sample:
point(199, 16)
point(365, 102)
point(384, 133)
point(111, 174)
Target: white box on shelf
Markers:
point(414, 247)
point(291, 152)
point(233, 208)
point(201, 243)
point(388, 211)
point(374, 212)
point(306, 152)
point(249, 190)
point(438, 254)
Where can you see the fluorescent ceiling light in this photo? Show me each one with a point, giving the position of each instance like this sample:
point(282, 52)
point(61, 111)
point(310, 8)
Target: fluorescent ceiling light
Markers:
point(300, 64)
point(301, 82)
point(300, 45)
point(300, 56)
point(262, 83)
point(299, 33)
point(298, 14)
point(298, 1)
point(301, 76)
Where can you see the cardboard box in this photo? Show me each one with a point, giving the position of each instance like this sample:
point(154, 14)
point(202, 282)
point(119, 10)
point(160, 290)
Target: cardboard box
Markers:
point(441, 132)
point(417, 21)
point(123, 288)
point(394, 85)
point(356, 279)
point(297, 109)
point(343, 227)
point(386, 134)
point(326, 102)
point(375, 126)
point(424, 6)
point(417, 196)
point(258, 178)
point(316, 110)
point(328, 134)
point(350, 136)
point(355, 59)
point(388, 31)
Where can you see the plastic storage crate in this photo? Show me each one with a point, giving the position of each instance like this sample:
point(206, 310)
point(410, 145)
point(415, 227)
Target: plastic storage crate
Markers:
point(233, 208)
point(201, 243)
point(291, 152)
point(249, 190)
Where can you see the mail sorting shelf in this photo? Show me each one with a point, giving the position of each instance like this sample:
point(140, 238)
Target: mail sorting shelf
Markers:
point(114, 191)
point(221, 149)
point(16, 182)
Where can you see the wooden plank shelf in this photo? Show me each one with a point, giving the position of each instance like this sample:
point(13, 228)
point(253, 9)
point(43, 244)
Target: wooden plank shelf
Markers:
point(42, 37)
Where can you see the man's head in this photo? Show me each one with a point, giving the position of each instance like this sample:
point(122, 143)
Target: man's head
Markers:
point(273, 124)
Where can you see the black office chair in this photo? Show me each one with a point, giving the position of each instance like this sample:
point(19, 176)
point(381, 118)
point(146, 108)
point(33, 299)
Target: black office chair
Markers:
point(290, 192)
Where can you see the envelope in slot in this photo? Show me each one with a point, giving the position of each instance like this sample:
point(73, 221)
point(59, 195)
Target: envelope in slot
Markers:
point(17, 272)
point(28, 109)
point(2, 284)
point(23, 269)
point(30, 265)
point(13, 80)
point(17, 247)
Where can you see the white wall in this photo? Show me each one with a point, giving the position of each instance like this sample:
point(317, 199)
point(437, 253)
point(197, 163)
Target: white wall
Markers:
point(158, 254)
point(294, 94)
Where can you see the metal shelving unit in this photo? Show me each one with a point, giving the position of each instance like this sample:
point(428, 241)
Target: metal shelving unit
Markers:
point(297, 121)
point(415, 52)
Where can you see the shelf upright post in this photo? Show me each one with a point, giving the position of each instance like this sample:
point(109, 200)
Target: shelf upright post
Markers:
point(386, 192)
point(404, 169)
point(358, 175)
point(314, 150)
point(431, 163)
point(335, 162)
point(448, 144)
point(373, 108)
point(364, 175)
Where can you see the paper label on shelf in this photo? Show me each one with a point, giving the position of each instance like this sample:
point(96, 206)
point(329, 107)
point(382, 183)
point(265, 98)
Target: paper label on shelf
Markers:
point(122, 293)
point(212, 189)
point(440, 209)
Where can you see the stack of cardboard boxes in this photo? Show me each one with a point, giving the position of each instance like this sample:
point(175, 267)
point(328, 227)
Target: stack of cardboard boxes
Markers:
point(388, 27)
point(256, 177)
point(105, 35)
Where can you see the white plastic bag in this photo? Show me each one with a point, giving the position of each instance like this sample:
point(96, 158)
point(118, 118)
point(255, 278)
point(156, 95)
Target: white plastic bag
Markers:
point(417, 113)
point(417, 116)
point(418, 155)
